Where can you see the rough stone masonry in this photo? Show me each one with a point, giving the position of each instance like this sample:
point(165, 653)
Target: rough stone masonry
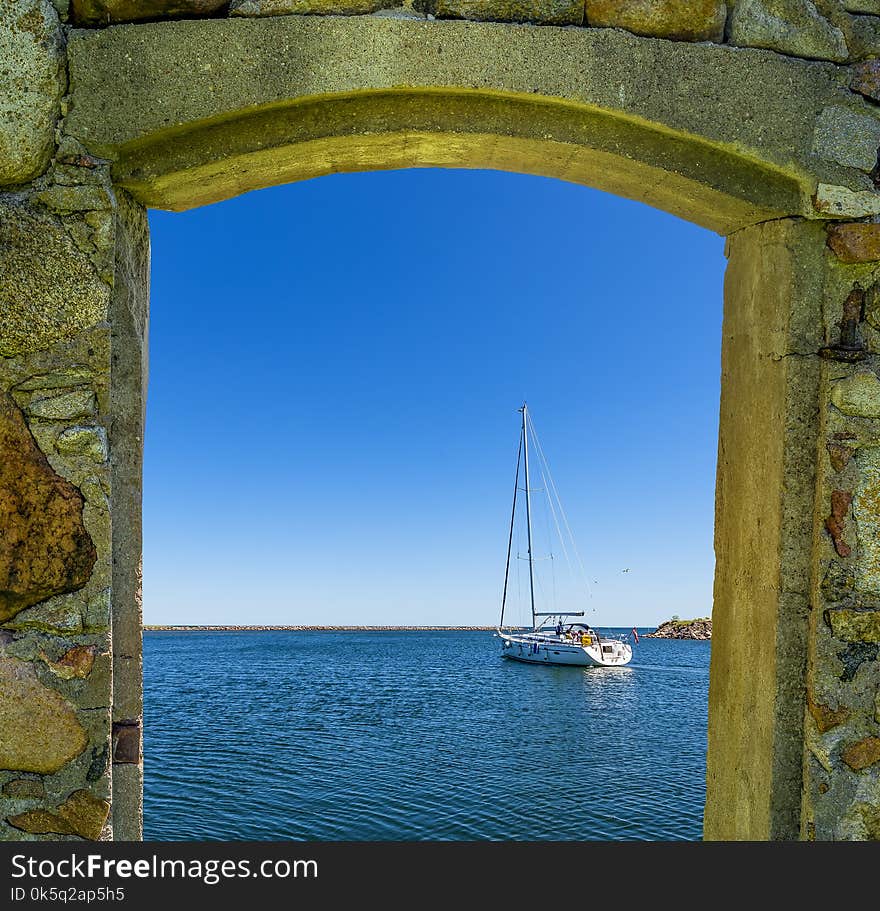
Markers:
point(758, 119)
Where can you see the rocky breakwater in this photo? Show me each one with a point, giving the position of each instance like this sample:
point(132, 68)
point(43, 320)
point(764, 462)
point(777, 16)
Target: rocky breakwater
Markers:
point(700, 628)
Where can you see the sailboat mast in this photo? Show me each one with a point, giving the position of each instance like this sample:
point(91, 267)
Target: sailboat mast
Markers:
point(510, 536)
point(525, 437)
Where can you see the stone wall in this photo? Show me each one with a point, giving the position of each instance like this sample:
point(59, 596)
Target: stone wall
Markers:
point(837, 30)
point(56, 266)
point(756, 118)
point(842, 759)
point(841, 31)
point(60, 240)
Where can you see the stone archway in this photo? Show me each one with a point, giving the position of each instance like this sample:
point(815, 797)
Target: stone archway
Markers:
point(668, 107)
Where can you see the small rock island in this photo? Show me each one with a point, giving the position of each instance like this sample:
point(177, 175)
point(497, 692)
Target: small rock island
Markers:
point(701, 628)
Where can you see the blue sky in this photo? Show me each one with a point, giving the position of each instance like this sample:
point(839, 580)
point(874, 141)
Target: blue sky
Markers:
point(335, 372)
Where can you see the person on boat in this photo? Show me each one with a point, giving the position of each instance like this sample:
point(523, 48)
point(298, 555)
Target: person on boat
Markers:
point(559, 629)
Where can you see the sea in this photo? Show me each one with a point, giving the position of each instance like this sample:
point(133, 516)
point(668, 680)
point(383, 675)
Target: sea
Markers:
point(409, 735)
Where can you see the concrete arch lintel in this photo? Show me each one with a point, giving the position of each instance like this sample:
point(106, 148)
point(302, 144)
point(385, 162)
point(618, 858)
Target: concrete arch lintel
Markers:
point(197, 111)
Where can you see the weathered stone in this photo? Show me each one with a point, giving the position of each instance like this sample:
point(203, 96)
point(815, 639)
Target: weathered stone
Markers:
point(861, 823)
point(85, 813)
point(41, 822)
point(45, 549)
point(130, 313)
point(764, 538)
point(90, 442)
point(103, 12)
point(71, 152)
point(98, 765)
point(128, 785)
point(865, 79)
point(97, 611)
point(835, 524)
point(97, 691)
point(825, 717)
point(57, 379)
point(61, 614)
point(82, 174)
point(864, 37)
point(855, 625)
point(856, 242)
point(24, 789)
point(793, 27)
point(862, 6)
point(127, 742)
point(682, 20)
point(845, 203)
point(81, 814)
point(872, 305)
point(49, 289)
point(39, 731)
point(551, 12)
point(862, 754)
point(69, 406)
point(64, 199)
point(858, 395)
point(74, 663)
point(838, 582)
point(866, 511)
point(309, 7)
point(854, 656)
point(847, 137)
point(32, 81)
point(839, 455)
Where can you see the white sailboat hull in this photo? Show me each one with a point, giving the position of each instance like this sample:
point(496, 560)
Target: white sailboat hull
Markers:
point(538, 649)
point(549, 642)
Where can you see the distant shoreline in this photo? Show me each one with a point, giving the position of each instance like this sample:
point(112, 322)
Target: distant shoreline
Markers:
point(700, 629)
point(308, 628)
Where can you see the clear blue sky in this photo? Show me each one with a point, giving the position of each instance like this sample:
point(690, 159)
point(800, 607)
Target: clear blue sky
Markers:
point(336, 368)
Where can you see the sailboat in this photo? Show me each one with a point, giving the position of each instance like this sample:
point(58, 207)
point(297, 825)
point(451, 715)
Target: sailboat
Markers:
point(555, 638)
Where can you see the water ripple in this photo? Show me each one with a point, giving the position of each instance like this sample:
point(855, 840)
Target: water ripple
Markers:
point(417, 735)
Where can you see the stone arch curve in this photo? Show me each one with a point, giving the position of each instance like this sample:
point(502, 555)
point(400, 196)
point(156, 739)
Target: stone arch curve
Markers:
point(202, 110)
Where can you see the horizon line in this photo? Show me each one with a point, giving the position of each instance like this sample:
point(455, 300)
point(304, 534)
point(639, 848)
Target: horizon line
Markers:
point(304, 627)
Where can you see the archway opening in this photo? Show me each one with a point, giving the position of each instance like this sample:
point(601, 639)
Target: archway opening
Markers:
point(352, 352)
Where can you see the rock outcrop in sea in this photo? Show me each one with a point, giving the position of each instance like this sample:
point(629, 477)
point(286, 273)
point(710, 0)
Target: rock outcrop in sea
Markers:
point(701, 628)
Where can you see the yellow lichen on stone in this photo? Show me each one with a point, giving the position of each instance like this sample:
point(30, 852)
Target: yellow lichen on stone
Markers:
point(81, 814)
point(855, 625)
point(858, 395)
point(49, 289)
point(307, 7)
point(685, 20)
point(866, 511)
point(39, 730)
point(549, 12)
point(103, 12)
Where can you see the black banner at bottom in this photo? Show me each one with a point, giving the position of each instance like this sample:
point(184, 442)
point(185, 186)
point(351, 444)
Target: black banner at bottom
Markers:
point(314, 874)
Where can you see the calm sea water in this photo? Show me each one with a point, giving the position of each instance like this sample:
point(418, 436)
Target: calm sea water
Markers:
point(417, 735)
